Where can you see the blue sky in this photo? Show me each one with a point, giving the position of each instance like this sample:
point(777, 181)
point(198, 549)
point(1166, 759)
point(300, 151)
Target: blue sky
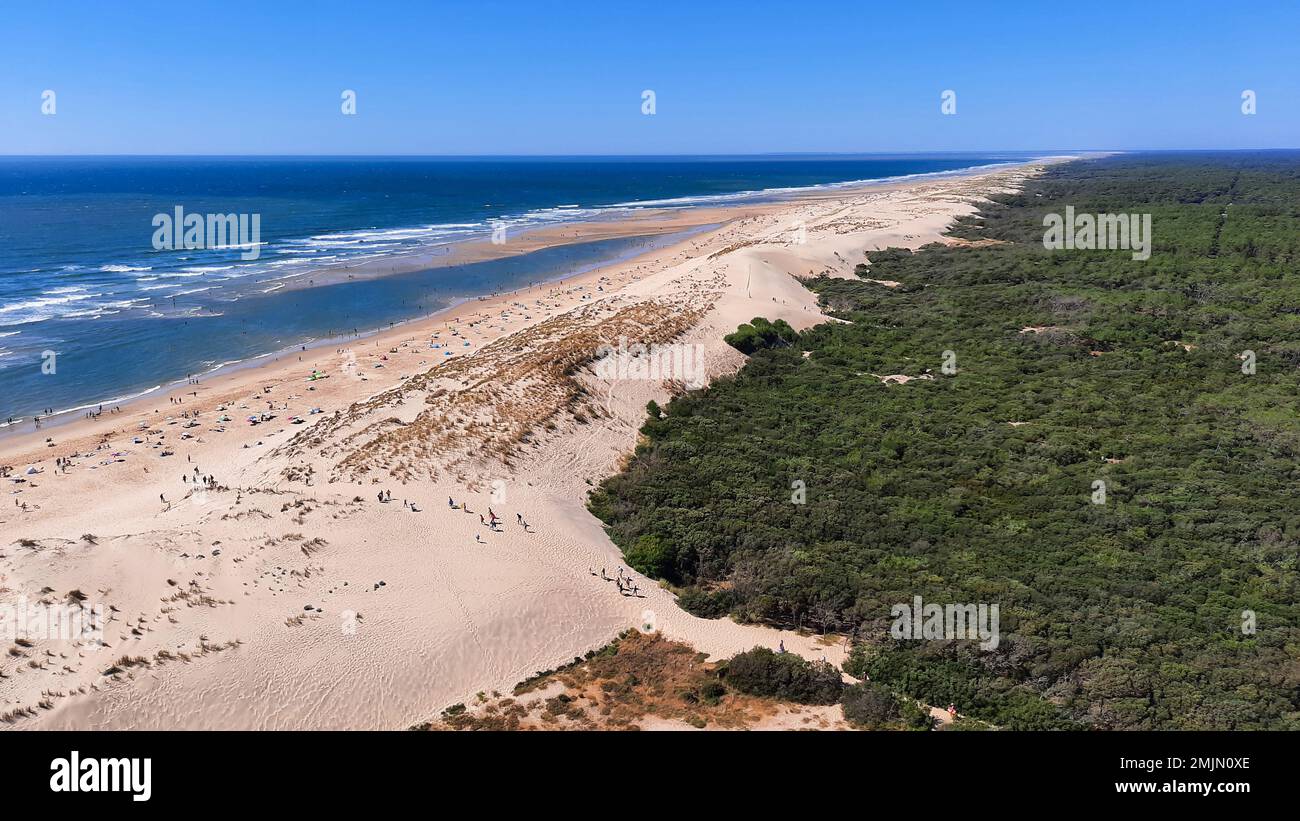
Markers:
point(491, 77)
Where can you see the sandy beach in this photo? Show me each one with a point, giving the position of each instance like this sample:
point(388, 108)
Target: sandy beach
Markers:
point(251, 576)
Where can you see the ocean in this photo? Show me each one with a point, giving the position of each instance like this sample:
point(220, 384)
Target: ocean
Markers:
point(81, 276)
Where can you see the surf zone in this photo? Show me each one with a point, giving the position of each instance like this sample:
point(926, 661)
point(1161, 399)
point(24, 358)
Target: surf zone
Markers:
point(199, 232)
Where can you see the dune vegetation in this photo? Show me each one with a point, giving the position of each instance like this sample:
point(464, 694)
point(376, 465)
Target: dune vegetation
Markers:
point(1107, 448)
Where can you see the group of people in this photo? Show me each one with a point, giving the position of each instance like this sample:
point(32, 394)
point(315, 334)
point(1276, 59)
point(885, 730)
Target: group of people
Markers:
point(208, 481)
point(36, 418)
point(94, 414)
point(90, 414)
point(626, 585)
point(386, 496)
point(491, 521)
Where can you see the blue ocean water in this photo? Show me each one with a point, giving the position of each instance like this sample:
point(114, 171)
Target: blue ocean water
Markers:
point(79, 273)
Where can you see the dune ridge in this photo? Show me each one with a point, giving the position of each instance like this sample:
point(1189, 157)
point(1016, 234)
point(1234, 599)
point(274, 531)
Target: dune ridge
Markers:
point(254, 578)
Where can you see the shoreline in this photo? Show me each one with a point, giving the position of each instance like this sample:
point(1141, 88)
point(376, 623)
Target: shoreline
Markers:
point(625, 220)
point(284, 575)
point(235, 375)
point(61, 418)
point(617, 220)
point(655, 222)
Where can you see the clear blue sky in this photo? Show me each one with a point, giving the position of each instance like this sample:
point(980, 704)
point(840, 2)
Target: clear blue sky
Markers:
point(496, 77)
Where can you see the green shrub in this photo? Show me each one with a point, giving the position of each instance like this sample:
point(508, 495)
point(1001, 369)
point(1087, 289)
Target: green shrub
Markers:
point(871, 706)
point(761, 672)
point(712, 692)
point(759, 333)
point(707, 604)
point(652, 557)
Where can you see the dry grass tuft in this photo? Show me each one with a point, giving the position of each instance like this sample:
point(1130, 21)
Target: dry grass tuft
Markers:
point(488, 405)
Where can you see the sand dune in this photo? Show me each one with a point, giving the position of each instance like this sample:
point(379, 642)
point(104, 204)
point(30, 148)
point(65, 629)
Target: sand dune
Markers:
point(283, 593)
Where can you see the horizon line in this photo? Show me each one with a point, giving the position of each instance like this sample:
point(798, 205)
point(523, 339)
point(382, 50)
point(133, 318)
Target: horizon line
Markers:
point(619, 155)
point(796, 154)
point(755, 154)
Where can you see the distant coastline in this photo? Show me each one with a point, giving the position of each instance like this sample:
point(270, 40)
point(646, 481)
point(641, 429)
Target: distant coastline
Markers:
point(168, 333)
point(285, 536)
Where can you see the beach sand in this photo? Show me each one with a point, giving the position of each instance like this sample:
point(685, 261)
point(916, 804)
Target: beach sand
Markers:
point(286, 595)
